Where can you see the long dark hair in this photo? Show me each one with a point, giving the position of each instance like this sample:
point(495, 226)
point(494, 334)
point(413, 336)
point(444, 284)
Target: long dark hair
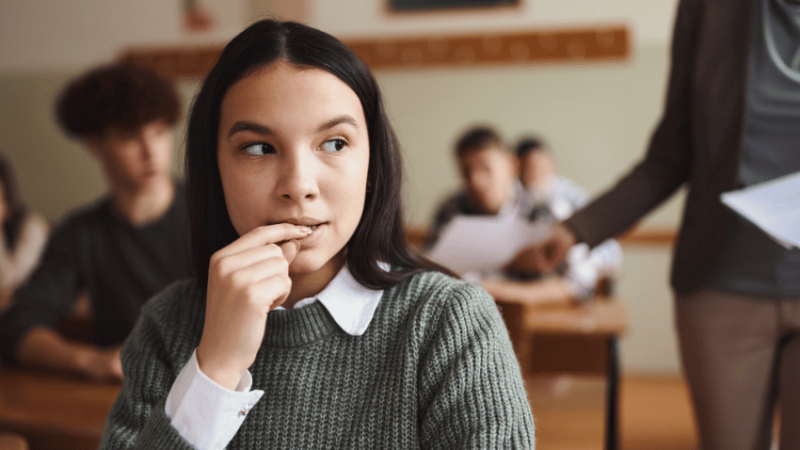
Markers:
point(17, 209)
point(380, 235)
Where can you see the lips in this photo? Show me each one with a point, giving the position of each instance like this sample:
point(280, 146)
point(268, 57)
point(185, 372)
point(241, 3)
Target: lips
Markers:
point(302, 222)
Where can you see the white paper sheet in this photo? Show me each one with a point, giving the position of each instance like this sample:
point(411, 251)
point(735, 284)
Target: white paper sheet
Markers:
point(479, 244)
point(773, 206)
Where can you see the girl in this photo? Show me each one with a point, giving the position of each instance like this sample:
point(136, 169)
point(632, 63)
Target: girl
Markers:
point(22, 236)
point(312, 324)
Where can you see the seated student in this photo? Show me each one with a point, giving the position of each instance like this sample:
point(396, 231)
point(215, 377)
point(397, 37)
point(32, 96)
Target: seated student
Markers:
point(488, 175)
point(491, 187)
point(552, 198)
point(22, 235)
point(307, 290)
point(120, 250)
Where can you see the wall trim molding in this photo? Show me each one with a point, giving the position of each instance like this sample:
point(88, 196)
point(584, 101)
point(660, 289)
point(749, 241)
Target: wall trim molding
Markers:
point(555, 46)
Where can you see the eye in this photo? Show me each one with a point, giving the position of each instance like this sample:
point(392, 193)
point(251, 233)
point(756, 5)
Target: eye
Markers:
point(258, 149)
point(334, 145)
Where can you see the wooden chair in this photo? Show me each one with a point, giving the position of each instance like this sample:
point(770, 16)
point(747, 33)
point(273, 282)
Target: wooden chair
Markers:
point(572, 339)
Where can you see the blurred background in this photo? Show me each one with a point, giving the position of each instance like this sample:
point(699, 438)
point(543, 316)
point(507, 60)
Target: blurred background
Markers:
point(596, 115)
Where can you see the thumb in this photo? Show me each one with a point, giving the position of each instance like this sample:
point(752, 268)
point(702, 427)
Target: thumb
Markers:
point(290, 249)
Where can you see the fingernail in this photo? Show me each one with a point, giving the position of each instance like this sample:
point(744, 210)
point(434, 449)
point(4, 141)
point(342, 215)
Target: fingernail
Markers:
point(305, 230)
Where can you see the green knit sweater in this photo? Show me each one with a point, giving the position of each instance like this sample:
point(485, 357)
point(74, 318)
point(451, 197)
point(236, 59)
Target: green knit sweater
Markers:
point(434, 370)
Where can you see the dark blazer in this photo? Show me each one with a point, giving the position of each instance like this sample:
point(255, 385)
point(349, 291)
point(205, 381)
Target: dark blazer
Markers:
point(697, 142)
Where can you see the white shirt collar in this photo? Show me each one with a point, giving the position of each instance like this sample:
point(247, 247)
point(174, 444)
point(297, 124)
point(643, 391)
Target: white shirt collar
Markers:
point(350, 304)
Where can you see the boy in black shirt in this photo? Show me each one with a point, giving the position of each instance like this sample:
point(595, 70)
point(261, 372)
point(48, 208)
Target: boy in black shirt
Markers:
point(120, 250)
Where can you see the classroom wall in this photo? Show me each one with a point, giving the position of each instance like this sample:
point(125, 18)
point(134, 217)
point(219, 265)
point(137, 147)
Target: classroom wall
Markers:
point(597, 117)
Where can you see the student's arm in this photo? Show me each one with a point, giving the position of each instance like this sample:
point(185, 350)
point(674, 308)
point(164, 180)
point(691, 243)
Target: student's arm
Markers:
point(43, 302)
point(43, 347)
point(471, 394)
point(27, 252)
point(201, 404)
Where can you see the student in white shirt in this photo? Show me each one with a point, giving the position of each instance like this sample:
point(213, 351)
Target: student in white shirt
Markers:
point(551, 198)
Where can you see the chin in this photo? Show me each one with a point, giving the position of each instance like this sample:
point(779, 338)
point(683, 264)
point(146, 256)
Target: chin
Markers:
point(304, 264)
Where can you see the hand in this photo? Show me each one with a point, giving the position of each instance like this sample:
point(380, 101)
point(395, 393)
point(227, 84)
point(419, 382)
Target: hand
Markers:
point(544, 256)
point(246, 280)
point(103, 364)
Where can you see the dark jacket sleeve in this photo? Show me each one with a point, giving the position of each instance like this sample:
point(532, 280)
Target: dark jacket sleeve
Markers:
point(47, 297)
point(666, 166)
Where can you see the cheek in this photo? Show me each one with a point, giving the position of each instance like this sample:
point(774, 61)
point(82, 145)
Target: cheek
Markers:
point(242, 200)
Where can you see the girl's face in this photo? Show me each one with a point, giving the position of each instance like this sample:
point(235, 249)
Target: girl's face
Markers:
point(293, 147)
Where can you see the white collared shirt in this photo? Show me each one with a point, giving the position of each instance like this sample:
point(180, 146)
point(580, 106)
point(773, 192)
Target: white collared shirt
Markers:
point(209, 415)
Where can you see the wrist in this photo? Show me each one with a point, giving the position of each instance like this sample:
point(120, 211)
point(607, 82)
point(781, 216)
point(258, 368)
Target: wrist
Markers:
point(220, 374)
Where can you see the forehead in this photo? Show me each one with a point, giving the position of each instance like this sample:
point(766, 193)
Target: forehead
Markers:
point(490, 155)
point(285, 95)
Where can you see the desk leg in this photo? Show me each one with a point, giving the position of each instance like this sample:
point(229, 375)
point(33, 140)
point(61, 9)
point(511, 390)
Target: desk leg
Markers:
point(612, 396)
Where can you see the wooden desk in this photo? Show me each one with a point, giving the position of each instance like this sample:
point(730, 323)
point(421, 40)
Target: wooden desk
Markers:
point(53, 410)
point(10, 441)
point(568, 339)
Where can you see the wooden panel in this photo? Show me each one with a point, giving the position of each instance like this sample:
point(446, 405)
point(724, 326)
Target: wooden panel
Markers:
point(494, 49)
point(524, 47)
point(178, 63)
point(659, 237)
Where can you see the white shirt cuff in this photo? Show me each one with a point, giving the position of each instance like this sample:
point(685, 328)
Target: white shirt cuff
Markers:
point(205, 413)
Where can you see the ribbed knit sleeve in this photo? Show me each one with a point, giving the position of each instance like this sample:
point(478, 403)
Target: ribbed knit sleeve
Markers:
point(471, 390)
point(150, 360)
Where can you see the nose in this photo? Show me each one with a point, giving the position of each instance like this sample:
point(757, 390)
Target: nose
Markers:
point(297, 177)
point(147, 146)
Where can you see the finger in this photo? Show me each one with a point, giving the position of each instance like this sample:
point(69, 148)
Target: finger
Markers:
point(225, 265)
point(268, 234)
point(259, 271)
point(290, 249)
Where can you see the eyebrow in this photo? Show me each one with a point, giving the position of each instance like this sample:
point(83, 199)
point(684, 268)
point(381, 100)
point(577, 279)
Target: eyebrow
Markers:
point(338, 120)
point(244, 125)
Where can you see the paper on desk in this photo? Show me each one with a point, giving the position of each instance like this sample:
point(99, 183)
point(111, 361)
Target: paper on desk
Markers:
point(478, 244)
point(773, 206)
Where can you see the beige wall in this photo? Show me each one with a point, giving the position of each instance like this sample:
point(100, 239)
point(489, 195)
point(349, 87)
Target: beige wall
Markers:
point(596, 117)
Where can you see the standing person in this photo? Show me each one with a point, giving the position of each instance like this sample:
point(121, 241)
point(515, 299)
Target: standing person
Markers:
point(307, 289)
point(120, 250)
point(733, 105)
point(24, 234)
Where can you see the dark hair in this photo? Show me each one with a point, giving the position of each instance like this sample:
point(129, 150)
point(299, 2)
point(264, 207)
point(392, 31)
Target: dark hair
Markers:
point(379, 236)
point(528, 145)
point(120, 95)
point(477, 138)
point(17, 209)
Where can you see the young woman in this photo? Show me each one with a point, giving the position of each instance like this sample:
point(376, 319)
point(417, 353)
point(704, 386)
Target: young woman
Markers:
point(22, 236)
point(312, 324)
